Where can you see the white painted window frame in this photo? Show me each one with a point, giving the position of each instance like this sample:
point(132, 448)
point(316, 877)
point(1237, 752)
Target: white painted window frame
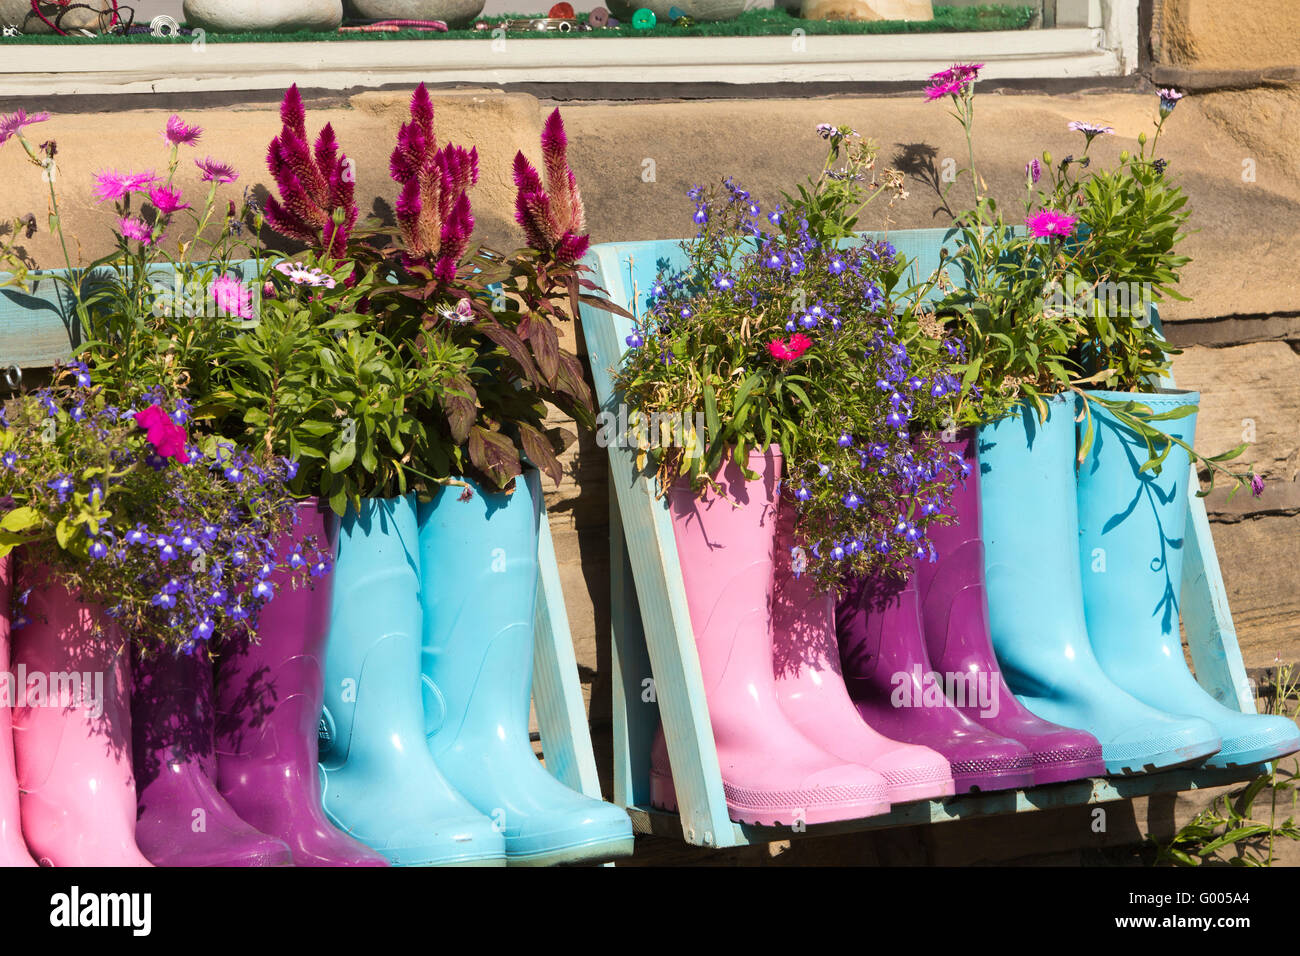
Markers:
point(1093, 38)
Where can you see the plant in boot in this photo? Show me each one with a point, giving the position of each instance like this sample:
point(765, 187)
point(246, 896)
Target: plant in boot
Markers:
point(172, 535)
point(1067, 300)
point(401, 358)
point(785, 328)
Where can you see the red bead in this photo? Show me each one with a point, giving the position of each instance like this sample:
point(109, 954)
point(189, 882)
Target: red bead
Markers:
point(562, 11)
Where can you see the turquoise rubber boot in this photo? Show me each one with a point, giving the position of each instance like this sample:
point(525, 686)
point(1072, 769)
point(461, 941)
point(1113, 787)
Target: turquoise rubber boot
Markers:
point(381, 785)
point(479, 562)
point(1031, 562)
point(1131, 543)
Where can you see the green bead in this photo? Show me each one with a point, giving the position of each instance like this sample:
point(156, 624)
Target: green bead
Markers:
point(643, 19)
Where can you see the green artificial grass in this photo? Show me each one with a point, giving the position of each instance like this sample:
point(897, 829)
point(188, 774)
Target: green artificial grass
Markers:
point(751, 23)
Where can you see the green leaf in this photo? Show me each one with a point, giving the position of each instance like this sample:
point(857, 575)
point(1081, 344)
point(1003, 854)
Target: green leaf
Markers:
point(341, 458)
point(21, 519)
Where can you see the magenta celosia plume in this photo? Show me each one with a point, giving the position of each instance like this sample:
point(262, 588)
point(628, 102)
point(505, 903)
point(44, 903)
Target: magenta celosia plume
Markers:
point(313, 184)
point(552, 216)
point(433, 208)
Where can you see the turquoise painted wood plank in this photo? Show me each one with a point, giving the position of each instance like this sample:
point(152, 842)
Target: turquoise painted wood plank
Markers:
point(1203, 602)
point(38, 325)
point(636, 707)
point(625, 270)
point(1207, 620)
point(1099, 790)
point(557, 691)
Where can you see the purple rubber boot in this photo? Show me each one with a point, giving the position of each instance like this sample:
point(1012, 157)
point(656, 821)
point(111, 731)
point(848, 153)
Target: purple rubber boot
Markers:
point(888, 674)
point(955, 615)
point(269, 699)
point(182, 818)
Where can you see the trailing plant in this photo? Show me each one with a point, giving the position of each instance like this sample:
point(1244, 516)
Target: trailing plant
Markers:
point(1232, 823)
point(786, 327)
point(174, 536)
point(1064, 298)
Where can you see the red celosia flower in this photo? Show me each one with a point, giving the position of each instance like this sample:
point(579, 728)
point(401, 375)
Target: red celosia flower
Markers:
point(788, 350)
point(552, 217)
point(433, 210)
point(167, 438)
point(315, 185)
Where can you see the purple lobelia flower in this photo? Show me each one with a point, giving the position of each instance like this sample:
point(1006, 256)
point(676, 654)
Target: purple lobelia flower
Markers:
point(552, 216)
point(317, 202)
point(433, 208)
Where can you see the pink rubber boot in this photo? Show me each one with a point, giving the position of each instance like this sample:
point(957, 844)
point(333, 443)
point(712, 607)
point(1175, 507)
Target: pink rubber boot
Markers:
point(771, 773)
point(73, 742)
point(806, 658)
point(13, 851)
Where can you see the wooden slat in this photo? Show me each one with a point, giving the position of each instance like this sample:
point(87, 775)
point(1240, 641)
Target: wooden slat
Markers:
point(652, 552)
point(1086, 792)
point(557, 691)
point(1203, 601)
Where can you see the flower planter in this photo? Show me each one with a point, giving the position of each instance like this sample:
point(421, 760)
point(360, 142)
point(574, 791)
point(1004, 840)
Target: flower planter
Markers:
point(13, 851)
point(269, 699)
point(771, 773)
point(479, 572)
point(73, 745)
point(1132, 537)
point(652, 621)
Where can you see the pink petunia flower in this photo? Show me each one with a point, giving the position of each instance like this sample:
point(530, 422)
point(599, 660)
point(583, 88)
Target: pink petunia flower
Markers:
point(180, 133)
point(215, 171)
point(788, 350)
point(1051, 223)
point(13, 123)
point(167, 200)
point(233, 297)
point(167, 438)
point(136, 229)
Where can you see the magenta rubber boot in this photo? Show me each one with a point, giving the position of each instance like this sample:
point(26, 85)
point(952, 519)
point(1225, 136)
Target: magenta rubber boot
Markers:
point(269, 699)
point(955, 615)
point(183, 820)
point(771, 773)
point(811, 689)
point(13, 851)
point(888, 674)
point(72, 731)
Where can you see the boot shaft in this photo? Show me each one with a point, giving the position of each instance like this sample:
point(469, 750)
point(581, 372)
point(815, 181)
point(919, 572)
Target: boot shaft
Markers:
point(803, 615)
point(256, 680)
point(878, 626)
point(1030, 527)
point(374, 626)
point(479, 596)
point(172, 713)
point(1132, 523)
point(954, 606)
point(726, 546)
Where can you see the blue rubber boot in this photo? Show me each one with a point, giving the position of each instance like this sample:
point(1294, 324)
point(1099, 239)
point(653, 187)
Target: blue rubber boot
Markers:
point(1131, 535)
point(479, 561)
point(381, 784)
point(1031, 563)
